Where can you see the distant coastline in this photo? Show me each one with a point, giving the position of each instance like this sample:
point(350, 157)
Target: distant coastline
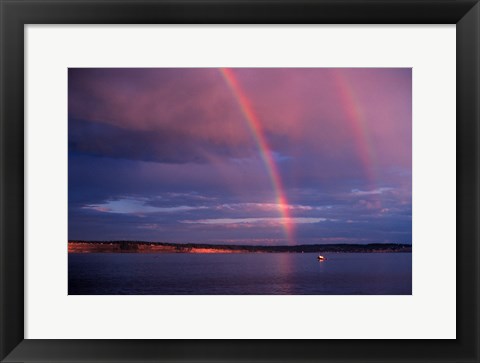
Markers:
point(75, 246)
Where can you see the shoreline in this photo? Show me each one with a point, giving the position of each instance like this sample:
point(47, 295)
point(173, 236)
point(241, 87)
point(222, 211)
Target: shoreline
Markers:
point(76, 246)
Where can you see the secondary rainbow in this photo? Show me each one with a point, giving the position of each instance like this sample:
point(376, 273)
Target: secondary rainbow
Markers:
point(265, 152)
point(358, 124)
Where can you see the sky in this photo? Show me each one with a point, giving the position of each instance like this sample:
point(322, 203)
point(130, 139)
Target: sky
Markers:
point(258, 156)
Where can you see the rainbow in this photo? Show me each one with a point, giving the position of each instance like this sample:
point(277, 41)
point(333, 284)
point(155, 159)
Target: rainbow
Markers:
point(265, 151)
point(358, 124)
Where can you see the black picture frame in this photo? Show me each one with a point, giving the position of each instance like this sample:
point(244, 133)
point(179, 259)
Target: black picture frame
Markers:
point(16, 13)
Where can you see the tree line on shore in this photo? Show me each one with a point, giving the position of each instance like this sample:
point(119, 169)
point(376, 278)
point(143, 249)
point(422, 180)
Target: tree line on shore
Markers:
point(180, 247)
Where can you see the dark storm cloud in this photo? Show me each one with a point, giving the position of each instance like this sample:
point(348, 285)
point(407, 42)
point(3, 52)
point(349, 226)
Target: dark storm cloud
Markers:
point(166, 146)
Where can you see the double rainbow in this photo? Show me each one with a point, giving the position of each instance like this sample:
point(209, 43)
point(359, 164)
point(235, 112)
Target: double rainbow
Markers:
point(355, 117)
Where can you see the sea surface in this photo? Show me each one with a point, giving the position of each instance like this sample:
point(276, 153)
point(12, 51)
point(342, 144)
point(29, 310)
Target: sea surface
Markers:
point(239, 274)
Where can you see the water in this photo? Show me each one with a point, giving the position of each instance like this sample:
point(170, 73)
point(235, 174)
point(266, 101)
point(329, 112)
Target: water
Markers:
point(239, 274)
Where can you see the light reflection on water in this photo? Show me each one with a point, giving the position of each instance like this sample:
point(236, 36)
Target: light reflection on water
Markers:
point(239, 274)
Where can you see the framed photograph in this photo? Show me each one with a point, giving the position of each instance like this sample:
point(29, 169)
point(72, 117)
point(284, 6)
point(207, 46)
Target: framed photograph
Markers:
point(215, 182)
point(240, 181)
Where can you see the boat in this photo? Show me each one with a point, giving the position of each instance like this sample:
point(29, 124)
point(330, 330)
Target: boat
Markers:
point(321, 258)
